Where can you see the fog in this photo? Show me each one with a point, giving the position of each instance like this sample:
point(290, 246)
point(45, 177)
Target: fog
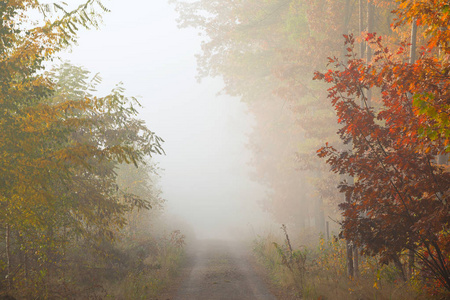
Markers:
point(304, 136)
point(205, 172)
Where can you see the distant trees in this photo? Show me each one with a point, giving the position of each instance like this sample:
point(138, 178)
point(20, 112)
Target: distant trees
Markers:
point(391, 113)
point(266, 53)
point(59, 148)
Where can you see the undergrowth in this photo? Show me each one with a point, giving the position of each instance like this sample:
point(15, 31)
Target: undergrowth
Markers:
point(156, 271)
point(319, 272)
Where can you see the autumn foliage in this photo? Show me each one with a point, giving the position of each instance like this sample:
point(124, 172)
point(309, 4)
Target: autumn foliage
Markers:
point(399, 198)
point(60, 148)
point(390, 110)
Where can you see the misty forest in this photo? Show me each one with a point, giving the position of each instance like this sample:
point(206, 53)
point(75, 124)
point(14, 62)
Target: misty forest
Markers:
point(225, 149)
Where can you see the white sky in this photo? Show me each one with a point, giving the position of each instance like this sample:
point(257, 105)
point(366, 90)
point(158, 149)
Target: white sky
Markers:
point(206, 174)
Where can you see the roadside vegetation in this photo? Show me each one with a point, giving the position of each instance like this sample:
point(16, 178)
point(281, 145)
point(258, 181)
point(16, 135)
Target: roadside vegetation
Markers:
point(80, 207)
point(351, 105)
point(156, 263)
point(317, 269)
point(104, 234)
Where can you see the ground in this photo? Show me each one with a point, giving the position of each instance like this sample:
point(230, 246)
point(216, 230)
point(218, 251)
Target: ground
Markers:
point(216, 270)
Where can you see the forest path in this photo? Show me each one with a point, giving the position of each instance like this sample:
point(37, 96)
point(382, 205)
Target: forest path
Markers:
point(221, 270)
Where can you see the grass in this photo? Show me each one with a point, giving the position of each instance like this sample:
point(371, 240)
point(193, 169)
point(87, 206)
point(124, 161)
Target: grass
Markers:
point(159, 267)
point(322, 272)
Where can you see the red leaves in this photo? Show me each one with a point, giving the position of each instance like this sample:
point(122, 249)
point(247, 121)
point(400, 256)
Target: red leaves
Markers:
point(318, 76)
point(369, 36)
point(392, 206)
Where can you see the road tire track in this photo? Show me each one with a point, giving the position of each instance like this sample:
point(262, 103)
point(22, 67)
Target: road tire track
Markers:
point(221, 270)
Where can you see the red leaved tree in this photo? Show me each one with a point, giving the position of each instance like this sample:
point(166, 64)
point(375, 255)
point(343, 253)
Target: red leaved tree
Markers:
point(399, 198)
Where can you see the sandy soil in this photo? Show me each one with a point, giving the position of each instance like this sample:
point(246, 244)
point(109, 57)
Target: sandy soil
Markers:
point(220, 270)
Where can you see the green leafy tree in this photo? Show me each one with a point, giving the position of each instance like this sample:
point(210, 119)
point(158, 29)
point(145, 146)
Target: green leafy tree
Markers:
point(58, 146)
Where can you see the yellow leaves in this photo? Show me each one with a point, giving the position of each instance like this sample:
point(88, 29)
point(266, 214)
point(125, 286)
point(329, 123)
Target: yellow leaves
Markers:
point(375, 285)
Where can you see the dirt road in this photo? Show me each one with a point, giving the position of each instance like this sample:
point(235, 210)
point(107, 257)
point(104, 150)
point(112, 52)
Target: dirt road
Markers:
point(221, 270)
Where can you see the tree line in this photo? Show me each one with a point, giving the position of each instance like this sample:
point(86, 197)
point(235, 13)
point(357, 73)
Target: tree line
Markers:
point(360, 85)
point(63, 194)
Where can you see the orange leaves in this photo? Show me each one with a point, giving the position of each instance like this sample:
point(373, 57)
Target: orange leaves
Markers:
point(433, 15)
point(392, 149)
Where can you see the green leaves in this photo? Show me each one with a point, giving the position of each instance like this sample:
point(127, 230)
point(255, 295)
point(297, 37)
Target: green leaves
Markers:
point(434, 118)
point(60, 145)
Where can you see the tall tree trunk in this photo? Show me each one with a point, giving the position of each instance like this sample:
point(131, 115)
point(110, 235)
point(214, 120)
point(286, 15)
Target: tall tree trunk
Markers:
point(355, 261)
point(320, 215)
point(399, 266)
point(350, 269)
point(347, 17)
point(345, 26)
point(23, 257)
point(8, 256)
point(370, 29)
point(361, 27)
point(350, 245)
point(362, 46)
point(412, 51)
point(411, 261)
point(412, 60)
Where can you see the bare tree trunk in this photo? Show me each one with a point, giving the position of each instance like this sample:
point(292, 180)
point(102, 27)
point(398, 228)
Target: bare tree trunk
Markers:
point(411, 262)
point(23, 257)
point(361, 50)
point(350, 269)
point(361, 27)
point(442, 159)
point(350, 245)
point(320, 215)
point(345, 27)
point(412, 52)
point(399, 266)
point(370, 29)
point(346, 17)
point(355, 261)
point(412, 60)
point(8, 256)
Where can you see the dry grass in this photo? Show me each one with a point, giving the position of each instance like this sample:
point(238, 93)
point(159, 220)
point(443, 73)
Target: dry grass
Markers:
point(324, 275)
point(159, 267)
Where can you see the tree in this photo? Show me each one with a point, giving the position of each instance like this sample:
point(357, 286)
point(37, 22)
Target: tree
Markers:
point(23, 117)
point(399, 198)
point(432, 106)
point(58, 145)
point(253, 46)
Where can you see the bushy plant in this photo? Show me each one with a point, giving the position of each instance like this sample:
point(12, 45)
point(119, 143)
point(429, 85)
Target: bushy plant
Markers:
point(320, 272)
point(158, 268)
